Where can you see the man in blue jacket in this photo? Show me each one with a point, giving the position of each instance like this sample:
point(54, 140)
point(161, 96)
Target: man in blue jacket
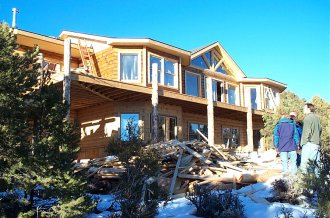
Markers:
point(286, 141)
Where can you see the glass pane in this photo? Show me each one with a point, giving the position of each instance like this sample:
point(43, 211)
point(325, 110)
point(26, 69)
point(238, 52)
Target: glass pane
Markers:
point(129, 126)
point(230, 137)
point(221, 70)
point(171, 128)
point(231, 94)
point(253, 93)
point(199, 62)
point(208, 57)
point(192, 86)
point(192, 131)
point(214, 90)
point(159, 63)
point(169, 73)
point(129, 67)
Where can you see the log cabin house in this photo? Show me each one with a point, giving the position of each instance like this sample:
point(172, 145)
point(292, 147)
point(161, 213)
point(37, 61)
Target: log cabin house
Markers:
point(108, 81)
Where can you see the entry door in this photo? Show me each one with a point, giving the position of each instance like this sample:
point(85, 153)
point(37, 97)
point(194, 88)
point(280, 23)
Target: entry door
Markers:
point(256, 139)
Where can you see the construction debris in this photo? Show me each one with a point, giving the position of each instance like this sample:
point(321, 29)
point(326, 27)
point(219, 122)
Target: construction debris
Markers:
point(183, 166)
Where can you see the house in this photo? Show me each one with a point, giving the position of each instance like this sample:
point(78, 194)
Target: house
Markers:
point(109, 83)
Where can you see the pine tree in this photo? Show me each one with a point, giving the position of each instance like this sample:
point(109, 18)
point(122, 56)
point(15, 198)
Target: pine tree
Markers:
point(37, 146)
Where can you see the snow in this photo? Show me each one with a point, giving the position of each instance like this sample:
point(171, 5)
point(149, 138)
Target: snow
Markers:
point(182, 208)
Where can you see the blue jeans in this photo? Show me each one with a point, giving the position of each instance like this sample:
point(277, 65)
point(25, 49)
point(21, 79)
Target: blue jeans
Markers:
point(293, 161)
point(310, 152)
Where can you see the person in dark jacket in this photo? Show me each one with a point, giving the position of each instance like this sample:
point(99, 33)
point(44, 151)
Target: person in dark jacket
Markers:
point(299, 126)
point(286, 141)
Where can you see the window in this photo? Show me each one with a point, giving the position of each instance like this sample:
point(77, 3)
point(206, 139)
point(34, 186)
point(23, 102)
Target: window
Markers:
point(254, 100)
point(217, 90)
point(192, 84)
point(129, 126)
point(230, 137)
point(167, 128)
point(167, 70)
point(209, 60)
point(129, 66)
point(270, 98)
point(193, 134)
point(199, 62)
point(232, 94)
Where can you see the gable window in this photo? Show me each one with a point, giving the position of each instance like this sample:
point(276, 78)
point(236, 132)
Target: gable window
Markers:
point(192, 84)
point(210, 60)
point(199, 62)
point(193, 134)
point(129, 69)
point(167, 70)
point(129, 126)
point(230, 137)
point(232, 96)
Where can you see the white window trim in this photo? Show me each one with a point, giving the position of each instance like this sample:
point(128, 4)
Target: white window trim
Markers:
point(222, 86)
point(199, 83)
point(162, 77)
point(248, 88)
point(130, 51)
point(236, 93)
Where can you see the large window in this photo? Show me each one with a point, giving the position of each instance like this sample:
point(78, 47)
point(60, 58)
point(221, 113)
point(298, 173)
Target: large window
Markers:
point(167, 70)
point(129, 69)
point(193, 134)
point(232, 97)
point(192, 84)
point(254, 96)
point(129, 126)
point(230, 137)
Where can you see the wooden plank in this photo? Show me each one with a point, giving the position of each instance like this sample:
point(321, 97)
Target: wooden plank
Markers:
point(175, 174)
point(212, 146)
point(211, 178)
point(196, 154)
point(94, 92)
point(226, 164)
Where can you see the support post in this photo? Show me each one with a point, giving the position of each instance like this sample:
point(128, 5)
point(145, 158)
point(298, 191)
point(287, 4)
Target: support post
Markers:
point(154, 102)
point(67, 76)
point(210, 112)
point(249, 124)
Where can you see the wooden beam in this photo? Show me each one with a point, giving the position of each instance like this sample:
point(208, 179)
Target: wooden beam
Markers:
point(154, 102)
point(212, 146)
point(176, 170)
point(210, 112)
point(67, 76)
point(249, 124)
point(218, 64)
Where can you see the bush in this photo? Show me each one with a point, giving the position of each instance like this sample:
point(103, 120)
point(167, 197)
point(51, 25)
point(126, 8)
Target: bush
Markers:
point(286, 190)
point(138, 192)
point(216, 204)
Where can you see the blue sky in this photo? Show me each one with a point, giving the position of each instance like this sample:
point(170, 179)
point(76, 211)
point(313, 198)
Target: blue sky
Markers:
point(285, 40)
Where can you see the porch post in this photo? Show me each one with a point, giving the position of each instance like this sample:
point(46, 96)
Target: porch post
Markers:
point(249, 124)
point(210, 111)
point(67, 76)
point(154, 102)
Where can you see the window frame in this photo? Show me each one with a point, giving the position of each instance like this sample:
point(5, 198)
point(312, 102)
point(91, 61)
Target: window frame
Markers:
point(258, 95)
point(198, 83)
point(222, 97)
point(198, 123)
point(139, 70)
point(236, 94)
point(231, 128)
point(162, 70)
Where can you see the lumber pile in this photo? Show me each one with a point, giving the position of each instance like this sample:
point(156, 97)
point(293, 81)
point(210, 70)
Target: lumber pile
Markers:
point(184, 165)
